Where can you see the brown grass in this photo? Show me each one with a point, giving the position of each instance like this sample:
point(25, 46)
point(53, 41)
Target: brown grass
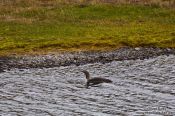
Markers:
point(12, 7)
point(51, 3)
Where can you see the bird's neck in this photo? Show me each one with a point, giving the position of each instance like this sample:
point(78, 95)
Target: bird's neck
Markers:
point(87, 76)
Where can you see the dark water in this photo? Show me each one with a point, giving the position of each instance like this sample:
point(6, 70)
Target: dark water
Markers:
point(140, 87)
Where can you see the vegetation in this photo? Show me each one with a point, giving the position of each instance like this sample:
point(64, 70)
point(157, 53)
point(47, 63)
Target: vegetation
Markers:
point(41, 26)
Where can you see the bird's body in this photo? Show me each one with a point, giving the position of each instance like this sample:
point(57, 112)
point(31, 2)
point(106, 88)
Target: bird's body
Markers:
point(1, 70)
point(94, 81)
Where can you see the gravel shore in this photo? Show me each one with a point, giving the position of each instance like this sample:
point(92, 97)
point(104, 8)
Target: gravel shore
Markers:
point(80, 58)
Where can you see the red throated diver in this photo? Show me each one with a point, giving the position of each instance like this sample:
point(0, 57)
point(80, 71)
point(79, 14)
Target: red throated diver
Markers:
point(94, 81)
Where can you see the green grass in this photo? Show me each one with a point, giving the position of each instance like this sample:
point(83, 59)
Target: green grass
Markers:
point(28, 29)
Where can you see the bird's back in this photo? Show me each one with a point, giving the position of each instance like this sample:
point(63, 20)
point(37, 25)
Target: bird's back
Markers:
point(95, 81)
point(100, 80)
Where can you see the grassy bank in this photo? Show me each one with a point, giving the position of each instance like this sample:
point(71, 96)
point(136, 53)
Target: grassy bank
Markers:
point(41, 27)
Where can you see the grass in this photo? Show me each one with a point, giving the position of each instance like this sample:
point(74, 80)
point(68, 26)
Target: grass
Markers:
point(37, 28)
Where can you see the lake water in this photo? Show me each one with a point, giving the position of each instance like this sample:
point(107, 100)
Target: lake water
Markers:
point(140, 87)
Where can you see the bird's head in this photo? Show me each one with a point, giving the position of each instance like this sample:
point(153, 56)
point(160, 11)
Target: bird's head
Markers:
point(87, 74)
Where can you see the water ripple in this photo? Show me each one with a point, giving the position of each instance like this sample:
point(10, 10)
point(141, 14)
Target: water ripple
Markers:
point(140, 87)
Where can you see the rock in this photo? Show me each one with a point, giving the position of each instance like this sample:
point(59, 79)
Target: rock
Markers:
point(81, 58)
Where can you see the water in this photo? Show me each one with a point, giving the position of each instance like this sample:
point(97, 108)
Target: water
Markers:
point(140, 87)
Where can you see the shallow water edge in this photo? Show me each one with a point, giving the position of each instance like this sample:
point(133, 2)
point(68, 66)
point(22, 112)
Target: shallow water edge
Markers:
point(80, 58)
point(140, 88)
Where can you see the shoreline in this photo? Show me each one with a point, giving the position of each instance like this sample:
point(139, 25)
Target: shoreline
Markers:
point(81, 58)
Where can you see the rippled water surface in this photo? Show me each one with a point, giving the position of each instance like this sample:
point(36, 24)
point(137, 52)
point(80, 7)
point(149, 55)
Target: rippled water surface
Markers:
point(140, 87)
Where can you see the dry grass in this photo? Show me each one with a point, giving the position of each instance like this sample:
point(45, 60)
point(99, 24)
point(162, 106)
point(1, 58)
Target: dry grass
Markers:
point(36, 3)
point(8, 8)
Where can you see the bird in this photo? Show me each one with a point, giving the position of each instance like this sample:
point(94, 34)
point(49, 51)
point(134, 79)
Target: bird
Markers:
point(1, 70)
point(95, 80)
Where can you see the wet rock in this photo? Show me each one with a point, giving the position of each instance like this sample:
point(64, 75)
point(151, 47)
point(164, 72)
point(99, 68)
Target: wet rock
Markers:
point(81, 58)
